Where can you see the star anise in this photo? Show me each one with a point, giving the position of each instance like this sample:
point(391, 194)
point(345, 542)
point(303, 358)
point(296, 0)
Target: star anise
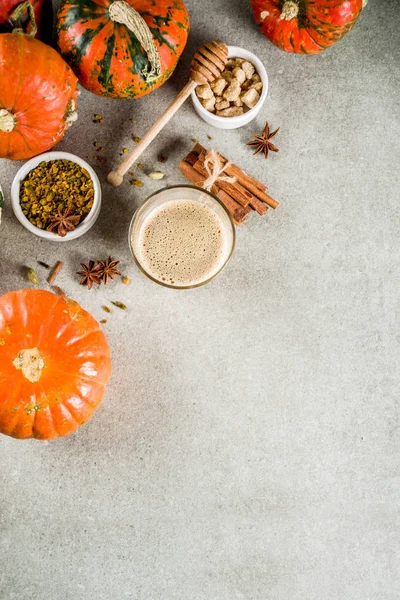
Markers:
point(108, 269)
point(63, 222)
point(262, 142)
point(91, 273)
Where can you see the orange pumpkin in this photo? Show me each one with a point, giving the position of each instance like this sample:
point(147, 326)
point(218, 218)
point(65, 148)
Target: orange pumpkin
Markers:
point(54, 365)
point(37, 99)
point(306, 26)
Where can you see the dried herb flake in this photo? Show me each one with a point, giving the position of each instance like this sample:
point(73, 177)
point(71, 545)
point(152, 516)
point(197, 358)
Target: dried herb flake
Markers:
point(120, 305)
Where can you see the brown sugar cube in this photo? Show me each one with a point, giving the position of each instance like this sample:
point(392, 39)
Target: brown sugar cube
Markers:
point(250, 98)
point(204, 91)
point(239, 62)
point(233, 111)
point(256, 86)
point(248, 68)
point(238, 102)
point(227, 75)
point(219, 85)
point(239, 74)
point(233, 91)
point(249, 83)
point(222, 104)
point(231, 62)
point(246, 85)
point(209, 103)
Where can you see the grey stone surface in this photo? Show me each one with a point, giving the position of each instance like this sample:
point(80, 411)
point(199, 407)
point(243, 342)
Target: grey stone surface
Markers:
point(248, 443)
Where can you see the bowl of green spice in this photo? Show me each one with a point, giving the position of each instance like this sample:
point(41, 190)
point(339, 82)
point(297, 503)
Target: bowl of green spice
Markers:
point(56, 196)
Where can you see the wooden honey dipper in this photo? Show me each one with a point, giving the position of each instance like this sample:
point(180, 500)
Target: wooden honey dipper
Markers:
point(207, 65)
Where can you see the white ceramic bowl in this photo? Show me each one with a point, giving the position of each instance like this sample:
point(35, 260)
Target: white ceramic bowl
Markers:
point(235, 122)
point(89, 220)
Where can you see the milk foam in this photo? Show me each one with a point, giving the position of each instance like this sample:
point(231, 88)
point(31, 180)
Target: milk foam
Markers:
point(183, 243)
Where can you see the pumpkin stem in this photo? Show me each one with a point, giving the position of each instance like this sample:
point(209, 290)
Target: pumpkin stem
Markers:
point(31, 363)
point(121, 12)
point(290, 10)
point(7, 121)
point(71, 114)
point(31, 30)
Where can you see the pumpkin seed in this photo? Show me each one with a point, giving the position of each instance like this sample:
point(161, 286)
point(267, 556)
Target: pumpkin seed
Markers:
point(156, 175)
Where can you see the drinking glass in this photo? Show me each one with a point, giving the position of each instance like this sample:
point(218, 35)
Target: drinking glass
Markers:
point(161, 199)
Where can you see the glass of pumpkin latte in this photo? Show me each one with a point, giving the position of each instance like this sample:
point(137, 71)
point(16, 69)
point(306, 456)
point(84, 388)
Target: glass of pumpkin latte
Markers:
point(181, 237)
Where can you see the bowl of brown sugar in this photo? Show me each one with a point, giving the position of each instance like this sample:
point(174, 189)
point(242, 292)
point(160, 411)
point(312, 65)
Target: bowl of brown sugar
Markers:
point(237, 96)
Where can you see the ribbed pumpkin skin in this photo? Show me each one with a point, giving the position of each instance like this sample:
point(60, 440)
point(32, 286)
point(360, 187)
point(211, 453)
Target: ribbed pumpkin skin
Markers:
point(77, 365)
point(42, 10)
point(40, 90)
point(319, 24)
point(106, 57)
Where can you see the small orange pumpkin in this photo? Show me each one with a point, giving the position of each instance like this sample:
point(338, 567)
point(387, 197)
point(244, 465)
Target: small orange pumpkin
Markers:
point(54, 365)
point(38, 96)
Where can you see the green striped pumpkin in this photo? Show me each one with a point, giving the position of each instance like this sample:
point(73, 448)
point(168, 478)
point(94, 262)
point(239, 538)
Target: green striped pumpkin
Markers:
point(122, 48)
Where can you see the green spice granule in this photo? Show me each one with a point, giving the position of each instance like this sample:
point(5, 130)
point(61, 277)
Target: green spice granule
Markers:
point(53, 185)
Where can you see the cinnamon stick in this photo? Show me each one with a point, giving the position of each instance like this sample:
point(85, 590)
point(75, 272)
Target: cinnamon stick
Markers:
point(55, 272)
point(240, 194)
point(192, 157)
point(258, 206)
point(248, 182)
point(235, 190)
point(239, 213)
point(242, 177)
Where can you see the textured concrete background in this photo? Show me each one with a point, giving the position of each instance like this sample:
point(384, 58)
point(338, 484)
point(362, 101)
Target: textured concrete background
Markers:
point(248, 444)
